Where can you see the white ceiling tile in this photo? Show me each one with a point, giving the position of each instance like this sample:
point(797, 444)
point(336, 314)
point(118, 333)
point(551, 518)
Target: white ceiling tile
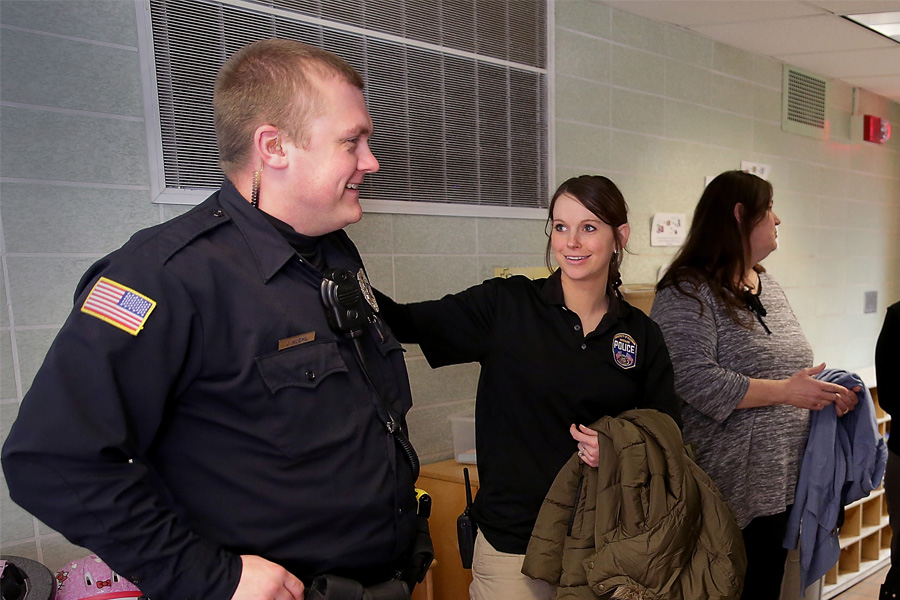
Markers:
point(803, 34)
point(853, 7)
point(694, 12)
point(808, 34)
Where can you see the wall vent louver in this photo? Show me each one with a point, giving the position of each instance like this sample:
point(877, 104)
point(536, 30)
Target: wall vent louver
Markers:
point(804, 103)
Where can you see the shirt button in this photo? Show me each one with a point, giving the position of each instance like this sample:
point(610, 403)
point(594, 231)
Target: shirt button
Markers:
point(218, 213)
point(578, 328)
point(310, 375)
point(584, 346)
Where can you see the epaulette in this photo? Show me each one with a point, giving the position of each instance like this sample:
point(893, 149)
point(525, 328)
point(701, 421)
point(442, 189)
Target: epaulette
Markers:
point(182, 230)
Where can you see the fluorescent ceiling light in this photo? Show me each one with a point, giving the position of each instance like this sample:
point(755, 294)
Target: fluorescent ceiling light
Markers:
point(887, 23)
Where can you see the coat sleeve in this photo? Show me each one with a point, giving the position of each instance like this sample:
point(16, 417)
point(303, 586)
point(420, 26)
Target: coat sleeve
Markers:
point(544, 556)
point(72, 457)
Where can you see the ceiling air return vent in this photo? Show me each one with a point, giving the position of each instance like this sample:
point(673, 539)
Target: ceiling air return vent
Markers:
point(803, 103)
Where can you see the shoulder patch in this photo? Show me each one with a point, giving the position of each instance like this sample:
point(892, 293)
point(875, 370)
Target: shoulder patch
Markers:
point(624, 350)
point(118, 305)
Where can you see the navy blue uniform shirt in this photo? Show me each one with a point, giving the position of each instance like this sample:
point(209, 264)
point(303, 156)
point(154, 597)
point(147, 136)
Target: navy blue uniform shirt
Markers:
point(171, 452)
point(887, 359)
point(540, 373)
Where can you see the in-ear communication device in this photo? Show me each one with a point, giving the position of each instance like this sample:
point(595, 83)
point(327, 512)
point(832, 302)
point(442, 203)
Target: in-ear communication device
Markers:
point(466, 529)
point(343, 301)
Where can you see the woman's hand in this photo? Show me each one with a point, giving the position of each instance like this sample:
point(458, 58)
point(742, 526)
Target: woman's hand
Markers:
point(804, 391)
point(588, 447)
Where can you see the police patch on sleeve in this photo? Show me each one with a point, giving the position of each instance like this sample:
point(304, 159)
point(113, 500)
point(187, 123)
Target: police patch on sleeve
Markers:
point(624, 350)
point(118, 305)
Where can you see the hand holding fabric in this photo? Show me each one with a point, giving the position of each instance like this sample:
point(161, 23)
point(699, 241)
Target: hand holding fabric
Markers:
point(804, 391)
point(588, 446)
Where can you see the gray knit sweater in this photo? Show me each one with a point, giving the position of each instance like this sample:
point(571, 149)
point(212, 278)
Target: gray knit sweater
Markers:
point(754, 454)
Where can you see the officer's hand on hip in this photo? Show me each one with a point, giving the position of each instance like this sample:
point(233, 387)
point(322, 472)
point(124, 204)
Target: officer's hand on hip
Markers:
point(264, 580)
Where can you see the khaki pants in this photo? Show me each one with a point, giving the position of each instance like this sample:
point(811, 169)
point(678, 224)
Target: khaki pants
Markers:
point(790, 585)
point(498, 576)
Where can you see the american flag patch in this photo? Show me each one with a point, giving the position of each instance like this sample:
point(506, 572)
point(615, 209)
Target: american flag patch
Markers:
point(118, 305)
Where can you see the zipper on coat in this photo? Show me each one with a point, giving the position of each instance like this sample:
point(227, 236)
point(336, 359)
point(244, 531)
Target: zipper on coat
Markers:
point(575, 502)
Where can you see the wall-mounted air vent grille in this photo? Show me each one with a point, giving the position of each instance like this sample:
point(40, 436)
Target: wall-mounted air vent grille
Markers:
point(804, 103)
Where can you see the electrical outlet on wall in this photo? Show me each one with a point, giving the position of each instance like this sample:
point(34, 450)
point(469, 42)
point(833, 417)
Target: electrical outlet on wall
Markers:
point(870, 304)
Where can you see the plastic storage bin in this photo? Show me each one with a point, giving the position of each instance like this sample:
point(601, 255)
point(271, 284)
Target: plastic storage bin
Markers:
point(463, 426)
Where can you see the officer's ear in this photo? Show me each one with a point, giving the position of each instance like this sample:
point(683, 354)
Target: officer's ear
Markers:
point(267, 144)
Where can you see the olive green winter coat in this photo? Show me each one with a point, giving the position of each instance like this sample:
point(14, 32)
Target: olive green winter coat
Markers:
point(647, 524)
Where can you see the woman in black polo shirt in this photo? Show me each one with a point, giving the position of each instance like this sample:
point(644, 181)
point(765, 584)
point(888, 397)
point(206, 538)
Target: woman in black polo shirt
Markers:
point(555, 354)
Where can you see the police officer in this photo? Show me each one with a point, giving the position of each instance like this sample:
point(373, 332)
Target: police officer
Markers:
point(887, 358)
point(198, 422)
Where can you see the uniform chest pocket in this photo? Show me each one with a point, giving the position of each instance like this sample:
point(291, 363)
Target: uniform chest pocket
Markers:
point(393, 381)
point(389, 345)
point(313, 407)
point(305, 366)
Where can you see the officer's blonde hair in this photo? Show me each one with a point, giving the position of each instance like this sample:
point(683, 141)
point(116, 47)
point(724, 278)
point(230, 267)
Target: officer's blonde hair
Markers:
point(271, 82)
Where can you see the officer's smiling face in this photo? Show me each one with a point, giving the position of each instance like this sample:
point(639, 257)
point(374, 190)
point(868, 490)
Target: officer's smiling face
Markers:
point(325, 173)
point(582, 243)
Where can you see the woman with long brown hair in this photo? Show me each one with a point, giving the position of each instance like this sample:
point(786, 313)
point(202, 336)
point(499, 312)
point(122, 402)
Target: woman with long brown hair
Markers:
point(556, 354)
point(743, 367)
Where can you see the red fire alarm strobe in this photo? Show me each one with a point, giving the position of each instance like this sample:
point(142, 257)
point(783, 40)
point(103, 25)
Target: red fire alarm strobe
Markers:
point(875, 129)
